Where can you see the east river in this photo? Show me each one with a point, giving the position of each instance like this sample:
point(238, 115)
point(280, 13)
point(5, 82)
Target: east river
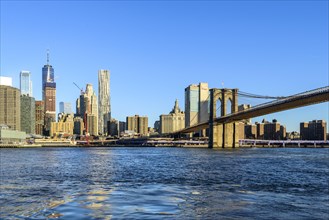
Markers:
point(164, 183)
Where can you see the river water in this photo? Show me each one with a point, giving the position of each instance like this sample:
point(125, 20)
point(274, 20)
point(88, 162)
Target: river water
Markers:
point(164, 183)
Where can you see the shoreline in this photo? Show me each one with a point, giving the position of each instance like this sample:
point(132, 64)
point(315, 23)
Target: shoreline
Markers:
point(136, 145)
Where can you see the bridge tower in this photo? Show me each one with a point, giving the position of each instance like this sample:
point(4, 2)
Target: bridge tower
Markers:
point(223, 135)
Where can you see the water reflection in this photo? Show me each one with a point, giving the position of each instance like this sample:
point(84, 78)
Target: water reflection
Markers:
point(163, 183)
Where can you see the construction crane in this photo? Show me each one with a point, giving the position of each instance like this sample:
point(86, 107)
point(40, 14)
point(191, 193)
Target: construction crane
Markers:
point(81, 90)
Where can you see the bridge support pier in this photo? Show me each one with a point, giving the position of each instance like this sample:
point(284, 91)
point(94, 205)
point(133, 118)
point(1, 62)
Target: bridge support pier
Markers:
point(223, 135)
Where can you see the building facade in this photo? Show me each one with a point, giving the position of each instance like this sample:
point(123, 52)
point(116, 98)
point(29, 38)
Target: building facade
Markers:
point(191, 105)
point(113, 127)
point(65, 107)
point(78, 126)
point(137, 124)
point(10, 107)
point(8, 136)
point(64, 125)
point(87, 107)
point(39, 117)
point(27, 114)
point(25, 83)
point(48, 95)
point(172, 122)
point(104, 104)
point(313, 130)
point(92, 125)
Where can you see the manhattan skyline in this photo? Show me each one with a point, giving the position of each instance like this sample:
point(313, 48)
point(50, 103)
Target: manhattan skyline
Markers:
point(154, 50)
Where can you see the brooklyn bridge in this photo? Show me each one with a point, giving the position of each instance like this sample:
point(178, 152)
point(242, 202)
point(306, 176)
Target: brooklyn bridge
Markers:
point(223, 130)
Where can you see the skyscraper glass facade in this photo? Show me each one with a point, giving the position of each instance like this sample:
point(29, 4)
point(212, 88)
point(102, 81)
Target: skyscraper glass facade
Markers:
point(26, 83)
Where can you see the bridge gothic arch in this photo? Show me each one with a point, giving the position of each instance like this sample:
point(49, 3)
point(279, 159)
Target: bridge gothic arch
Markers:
point(222, 135)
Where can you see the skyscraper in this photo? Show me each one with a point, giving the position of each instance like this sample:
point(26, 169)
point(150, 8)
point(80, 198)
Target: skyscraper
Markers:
point(25, 83)
point(191, 105)
point(28, 114)
point(48, 95)
point(87, 109)
point(39, 117)
point(65, 107)
point(104, 105)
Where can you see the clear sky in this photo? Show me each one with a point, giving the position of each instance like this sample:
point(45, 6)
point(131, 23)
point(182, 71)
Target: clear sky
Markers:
point(155, 49)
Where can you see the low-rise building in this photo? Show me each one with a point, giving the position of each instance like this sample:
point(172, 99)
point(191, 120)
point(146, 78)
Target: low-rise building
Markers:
point(8, 136)
point(64, 125)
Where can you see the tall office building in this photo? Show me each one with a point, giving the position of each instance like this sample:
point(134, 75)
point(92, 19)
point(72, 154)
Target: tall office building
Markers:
point(104, 105)
point(39, 117)
point(10, 107)
point(25, 83)
point(48, 95)
point(197, 101)
point(204, 102)
point(28, 114)
point(191, 105)
point(65, 107)
point(87, 109)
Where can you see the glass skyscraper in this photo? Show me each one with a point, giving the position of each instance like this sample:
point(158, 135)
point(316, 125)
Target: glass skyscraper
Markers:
point(48, 95)
point(25, 83)
point(104, 105)
point(65, 107)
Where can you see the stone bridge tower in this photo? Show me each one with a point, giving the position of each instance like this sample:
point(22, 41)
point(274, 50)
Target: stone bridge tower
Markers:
point(223, 135)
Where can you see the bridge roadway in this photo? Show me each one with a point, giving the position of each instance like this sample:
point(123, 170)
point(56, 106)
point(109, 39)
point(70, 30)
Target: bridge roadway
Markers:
point(294, 101)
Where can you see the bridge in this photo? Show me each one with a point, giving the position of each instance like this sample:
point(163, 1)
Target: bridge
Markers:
point(223, 130)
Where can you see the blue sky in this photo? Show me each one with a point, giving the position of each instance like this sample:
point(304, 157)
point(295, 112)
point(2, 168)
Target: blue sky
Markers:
point(154, 49)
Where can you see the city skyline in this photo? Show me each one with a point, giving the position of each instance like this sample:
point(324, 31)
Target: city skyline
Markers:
point(278, 57)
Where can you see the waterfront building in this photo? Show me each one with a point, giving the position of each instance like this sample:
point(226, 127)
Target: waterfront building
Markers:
point(39, 117)
point(137, 124)
point(48, 95)
point(274, 131)
point(157, 126)
point(172, 122)
point(65, 107)
point(104, 105)
point(8, 136)
point(260, 130)
point(64, 125)
point(78, 126)
point(313, 130)
point(10, 107)
point(27, 114)
point(143, 125)
point(25, 83)
point(204, 102)
point(6, 81)
point(191, 105)
point(113, 127)
point(92, 125)
point(122, 126)
point(250, 131)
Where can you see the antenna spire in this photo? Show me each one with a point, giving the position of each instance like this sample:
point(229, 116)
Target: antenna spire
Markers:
point(47, 56)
